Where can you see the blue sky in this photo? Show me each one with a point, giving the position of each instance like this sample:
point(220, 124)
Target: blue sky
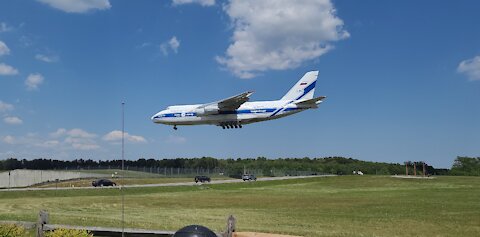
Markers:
point(402, 77)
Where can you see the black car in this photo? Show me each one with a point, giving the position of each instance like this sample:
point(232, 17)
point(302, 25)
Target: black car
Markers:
point(103, 182)
point(202, 178)
point(249, 177)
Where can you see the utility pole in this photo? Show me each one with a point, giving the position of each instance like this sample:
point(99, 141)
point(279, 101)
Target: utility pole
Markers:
point(123, 169)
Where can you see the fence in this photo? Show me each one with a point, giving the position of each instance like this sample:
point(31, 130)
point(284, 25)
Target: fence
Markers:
point(42, 225)
point(190, 172)
point(25, 178)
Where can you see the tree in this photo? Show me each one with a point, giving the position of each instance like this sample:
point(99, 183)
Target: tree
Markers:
point(466, 166)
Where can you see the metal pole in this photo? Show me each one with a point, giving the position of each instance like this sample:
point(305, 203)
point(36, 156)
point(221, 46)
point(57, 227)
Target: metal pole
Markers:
point(123, 169)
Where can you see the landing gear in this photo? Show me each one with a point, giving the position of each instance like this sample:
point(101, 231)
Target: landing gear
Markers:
point(229, 125)
point(175, 127)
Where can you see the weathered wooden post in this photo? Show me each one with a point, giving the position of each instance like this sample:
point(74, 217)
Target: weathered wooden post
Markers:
point(424, 170)
point(231, 222)
point(42, 220)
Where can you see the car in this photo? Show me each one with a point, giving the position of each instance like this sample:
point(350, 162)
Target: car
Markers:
point(202, 179)
point(103, 182)
point(249, 177)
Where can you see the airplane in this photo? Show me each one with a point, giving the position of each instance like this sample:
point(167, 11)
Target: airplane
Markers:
point(235, 111)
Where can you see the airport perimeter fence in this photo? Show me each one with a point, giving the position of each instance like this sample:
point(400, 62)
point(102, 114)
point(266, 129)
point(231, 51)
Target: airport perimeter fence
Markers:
point(26, 178)
point(148, 171)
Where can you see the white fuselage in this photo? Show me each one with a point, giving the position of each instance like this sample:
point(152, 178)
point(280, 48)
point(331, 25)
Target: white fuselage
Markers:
point(249, 112)
point(235, 111)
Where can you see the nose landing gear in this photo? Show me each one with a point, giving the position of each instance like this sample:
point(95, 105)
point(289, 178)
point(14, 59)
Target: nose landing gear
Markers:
point(175, 127)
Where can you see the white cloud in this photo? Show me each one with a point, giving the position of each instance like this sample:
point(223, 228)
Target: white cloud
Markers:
point(172, 44)
point(9, 139)
point(470, 67)
point(65, 140)
point(173, 139)
point(201, 2)
point(60, 132)
point(4, 27)
point(33, 81)
point(82, 146)
point(116, 135)
point(78, 139)
point(78, 6)
point(75, 138)
point(79, 133)
point(48, 144)
point(279, 34)
point(12, 120)
point(73, 133)
point(7, 70)
point(4, 50)
point(47, 59)
point(80, 143)
point(4, 107)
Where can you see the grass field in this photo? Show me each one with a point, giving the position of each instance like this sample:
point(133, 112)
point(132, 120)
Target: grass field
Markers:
point(332, 206)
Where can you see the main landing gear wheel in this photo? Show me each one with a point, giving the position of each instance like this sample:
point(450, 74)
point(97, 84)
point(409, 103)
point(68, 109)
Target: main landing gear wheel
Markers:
point(229, 125)
point(175, 127)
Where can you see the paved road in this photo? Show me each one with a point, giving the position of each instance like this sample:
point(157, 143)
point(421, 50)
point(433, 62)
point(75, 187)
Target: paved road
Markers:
point(167, 184)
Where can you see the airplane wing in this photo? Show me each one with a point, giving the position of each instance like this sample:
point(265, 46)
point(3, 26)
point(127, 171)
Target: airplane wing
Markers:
point(231, 103)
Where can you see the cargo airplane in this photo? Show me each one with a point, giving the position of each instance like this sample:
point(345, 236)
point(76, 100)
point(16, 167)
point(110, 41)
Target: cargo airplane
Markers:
point(234, 112)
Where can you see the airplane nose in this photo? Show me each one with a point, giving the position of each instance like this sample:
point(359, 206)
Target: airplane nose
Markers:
point(155, 117)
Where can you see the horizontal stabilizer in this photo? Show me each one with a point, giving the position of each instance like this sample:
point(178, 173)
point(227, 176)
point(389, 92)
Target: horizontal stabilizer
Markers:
point(311, 103)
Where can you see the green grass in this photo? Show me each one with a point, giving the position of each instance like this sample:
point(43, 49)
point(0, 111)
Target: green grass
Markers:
point(333, 206)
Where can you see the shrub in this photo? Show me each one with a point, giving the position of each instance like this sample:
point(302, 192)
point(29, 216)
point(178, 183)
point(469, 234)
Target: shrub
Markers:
point(68, 233)
point(11, 230)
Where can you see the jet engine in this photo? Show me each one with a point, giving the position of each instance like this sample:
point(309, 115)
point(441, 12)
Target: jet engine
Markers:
point(207, 110)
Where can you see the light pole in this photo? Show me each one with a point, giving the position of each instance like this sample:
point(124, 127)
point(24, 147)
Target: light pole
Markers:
point(123, 172)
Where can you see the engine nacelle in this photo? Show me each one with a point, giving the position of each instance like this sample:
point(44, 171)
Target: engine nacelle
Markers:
point(207, 110)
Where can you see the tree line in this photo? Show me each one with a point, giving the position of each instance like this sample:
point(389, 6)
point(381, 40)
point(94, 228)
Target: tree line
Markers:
point(466, 166)
point(331, 165)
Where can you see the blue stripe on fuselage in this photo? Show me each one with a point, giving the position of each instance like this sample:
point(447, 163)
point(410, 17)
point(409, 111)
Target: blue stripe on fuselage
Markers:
point(242, 111)
point(305, 91)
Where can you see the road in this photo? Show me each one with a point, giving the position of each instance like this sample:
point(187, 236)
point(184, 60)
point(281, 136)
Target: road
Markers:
point(167, 184)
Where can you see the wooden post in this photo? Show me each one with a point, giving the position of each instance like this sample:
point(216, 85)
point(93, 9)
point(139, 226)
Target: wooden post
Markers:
point(406, 168)
point(424, 171)
point(42, 220)
point(414, 168)
point(231, 222)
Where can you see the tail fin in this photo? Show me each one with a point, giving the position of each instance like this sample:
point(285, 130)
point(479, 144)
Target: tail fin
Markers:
point(304, 88)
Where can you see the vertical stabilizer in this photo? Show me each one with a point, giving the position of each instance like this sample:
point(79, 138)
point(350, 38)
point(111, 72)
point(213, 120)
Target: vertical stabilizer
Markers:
point(304, 88)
